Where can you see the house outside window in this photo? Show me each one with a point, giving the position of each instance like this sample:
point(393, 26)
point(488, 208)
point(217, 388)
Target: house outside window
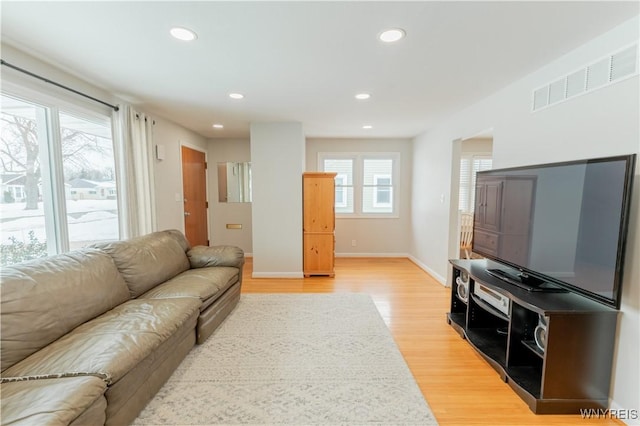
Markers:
point(344, 182)
point(45, 146)
point(382, 196)
point(341, 192)
point(366, 183)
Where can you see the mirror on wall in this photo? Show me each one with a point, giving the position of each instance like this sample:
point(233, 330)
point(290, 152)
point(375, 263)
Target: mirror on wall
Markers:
point(234, 182)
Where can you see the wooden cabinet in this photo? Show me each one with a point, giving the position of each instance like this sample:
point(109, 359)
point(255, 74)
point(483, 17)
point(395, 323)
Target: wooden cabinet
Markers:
point(318, 224)
point(503, 209)
point(555, 350)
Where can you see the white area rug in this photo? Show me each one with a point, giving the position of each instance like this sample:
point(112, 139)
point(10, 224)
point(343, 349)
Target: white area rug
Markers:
point(294, 359)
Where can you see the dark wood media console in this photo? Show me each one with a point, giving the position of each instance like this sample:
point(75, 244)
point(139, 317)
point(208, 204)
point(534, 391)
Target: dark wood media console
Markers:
point(567, 369)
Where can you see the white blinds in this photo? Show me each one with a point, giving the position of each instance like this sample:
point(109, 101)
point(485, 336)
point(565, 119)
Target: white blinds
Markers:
point(469, 166)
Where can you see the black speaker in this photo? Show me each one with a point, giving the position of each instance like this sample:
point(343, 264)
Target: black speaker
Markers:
point(462, 286)
point(540, 333)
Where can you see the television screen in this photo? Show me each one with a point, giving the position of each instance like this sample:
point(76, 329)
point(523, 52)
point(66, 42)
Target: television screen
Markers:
point(562, 223)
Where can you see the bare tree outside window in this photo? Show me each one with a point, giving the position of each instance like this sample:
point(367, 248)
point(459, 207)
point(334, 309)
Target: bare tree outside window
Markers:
point(88, 167)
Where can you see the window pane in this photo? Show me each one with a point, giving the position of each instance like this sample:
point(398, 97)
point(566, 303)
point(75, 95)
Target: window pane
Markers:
point(23, 234)
point(90, 181)
point(346, 198)
point(344, 183)
point(377, 191)
point(376, 167)
point(343, 167)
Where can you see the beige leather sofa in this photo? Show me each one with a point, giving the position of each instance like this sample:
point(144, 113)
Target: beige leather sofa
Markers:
point(88, 337)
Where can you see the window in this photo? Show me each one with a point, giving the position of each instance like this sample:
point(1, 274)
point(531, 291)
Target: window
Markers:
point(365, 183)
point(470, 164)
point(53, 163)
point(344, 182)
point(341, 193)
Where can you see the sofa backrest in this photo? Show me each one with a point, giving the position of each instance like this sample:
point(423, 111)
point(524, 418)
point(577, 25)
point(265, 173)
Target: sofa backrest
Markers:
point(179, 237)
point(44, 299)
point(149, 260)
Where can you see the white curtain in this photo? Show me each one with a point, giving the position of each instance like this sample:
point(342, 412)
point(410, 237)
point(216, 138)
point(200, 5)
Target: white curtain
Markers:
point(136, 194)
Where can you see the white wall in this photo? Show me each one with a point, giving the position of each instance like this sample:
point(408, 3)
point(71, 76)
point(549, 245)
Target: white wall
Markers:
point(220, 214)
point(600, 123)
point(168, 172)
point(277, 163)
point(374, 237)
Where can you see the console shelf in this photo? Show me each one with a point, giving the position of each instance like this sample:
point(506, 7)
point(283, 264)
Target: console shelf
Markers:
point(565, 368)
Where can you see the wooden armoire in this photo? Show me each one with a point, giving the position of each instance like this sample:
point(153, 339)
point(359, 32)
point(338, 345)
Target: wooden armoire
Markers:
point(318, 223)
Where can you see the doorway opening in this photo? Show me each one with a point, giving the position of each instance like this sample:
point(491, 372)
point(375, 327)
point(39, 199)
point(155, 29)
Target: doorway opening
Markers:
point(476, 154)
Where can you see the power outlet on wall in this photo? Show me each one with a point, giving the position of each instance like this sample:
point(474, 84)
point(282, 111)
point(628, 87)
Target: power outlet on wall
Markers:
point(353, 243)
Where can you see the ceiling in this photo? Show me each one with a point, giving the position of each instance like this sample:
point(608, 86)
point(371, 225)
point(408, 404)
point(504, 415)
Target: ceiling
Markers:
point(305, 61)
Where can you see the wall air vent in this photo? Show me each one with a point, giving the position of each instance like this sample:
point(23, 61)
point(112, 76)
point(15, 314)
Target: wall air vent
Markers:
point(624, 63)
point(598, 74)
point(576, 83)
point(541, 98)
point(557, 91)
point(608, 70)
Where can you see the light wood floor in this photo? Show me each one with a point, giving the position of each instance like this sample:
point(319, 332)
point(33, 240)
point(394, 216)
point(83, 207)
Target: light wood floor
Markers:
point(460, 387)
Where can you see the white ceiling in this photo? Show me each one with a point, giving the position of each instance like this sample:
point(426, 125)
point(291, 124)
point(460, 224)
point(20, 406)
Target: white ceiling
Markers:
point(305, 61)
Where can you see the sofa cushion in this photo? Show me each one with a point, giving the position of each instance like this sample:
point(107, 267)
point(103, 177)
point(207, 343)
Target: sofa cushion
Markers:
point(52, 401)
point(148, 260)
point(43, 300)
point(113, 343)
point(202, 283)
point(203, 256)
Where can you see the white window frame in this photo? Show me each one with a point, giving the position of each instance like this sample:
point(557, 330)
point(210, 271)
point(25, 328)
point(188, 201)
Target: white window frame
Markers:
point(53, 194)
point(358, 176)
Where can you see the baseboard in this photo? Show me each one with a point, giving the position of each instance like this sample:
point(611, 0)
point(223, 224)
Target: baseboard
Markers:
point(442, 280)
point(277, 275)
point(371, 255)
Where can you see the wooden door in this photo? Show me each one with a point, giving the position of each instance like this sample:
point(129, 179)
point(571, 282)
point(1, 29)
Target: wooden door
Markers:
point(194, 188)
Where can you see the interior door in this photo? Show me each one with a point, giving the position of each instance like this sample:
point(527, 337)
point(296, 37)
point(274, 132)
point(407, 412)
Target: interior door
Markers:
point(194, 188)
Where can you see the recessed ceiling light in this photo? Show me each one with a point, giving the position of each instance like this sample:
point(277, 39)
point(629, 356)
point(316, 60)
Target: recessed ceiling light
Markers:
point(394, 34)
point(363, 96)
point(236, 95)
point(367, 126)
point(218, 126)
point(183, 34)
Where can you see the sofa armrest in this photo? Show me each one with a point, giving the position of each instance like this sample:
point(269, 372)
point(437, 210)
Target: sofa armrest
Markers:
point(203, 256)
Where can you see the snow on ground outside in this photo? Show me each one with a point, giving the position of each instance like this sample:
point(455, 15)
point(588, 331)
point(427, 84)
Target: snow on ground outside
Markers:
point(88, 221)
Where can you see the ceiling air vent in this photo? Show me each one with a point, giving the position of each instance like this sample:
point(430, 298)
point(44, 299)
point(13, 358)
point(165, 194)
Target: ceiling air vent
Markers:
point(614, 67)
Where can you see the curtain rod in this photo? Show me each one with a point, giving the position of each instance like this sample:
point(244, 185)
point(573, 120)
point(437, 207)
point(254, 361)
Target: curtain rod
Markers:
point(62, 86)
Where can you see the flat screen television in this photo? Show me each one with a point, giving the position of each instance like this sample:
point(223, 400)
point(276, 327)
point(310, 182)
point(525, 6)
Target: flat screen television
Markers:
point(557, 227)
